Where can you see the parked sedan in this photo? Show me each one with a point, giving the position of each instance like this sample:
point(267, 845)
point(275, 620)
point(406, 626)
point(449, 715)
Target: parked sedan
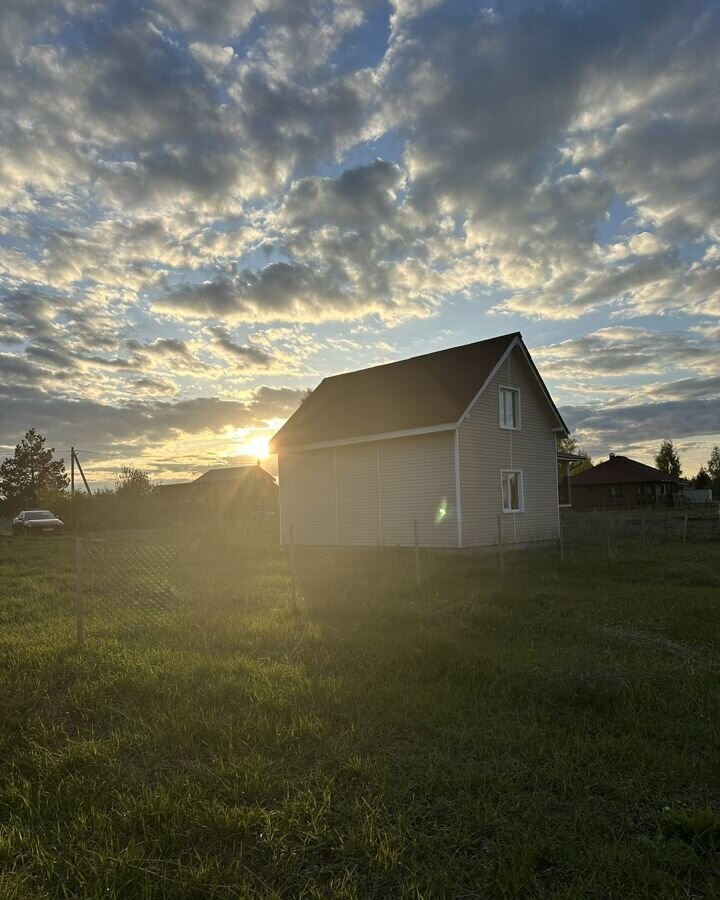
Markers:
point(37, 521)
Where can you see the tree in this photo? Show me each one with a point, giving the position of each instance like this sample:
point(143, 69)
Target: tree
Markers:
point(132, 482)
point(668, 460)
point(713, 468)
point(702, 479)
point(32, 474)
point(570, 444)
point(305, 395)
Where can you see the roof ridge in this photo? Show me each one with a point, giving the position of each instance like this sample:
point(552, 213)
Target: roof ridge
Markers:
point(408, 359)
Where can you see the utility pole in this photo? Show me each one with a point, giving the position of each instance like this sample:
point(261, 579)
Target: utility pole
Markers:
point(82, 474)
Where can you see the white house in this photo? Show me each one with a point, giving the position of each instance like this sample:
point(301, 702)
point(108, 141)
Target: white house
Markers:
point(462, 441)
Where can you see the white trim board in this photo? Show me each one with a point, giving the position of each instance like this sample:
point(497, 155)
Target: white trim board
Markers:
point(458, 504)
point(370, 438)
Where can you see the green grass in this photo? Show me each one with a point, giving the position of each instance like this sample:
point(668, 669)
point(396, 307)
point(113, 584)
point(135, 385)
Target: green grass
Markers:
point(549, 732)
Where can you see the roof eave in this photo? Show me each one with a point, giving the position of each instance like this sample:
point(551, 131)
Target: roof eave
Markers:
point(364, 438)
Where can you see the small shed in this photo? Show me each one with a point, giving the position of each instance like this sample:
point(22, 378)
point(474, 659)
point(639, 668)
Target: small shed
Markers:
point(461, 443)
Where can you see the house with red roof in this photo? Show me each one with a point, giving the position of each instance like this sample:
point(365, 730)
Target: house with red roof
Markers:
point(623, 483)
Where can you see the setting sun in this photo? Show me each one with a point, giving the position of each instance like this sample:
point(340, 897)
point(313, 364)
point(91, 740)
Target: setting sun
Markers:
point(256, 447)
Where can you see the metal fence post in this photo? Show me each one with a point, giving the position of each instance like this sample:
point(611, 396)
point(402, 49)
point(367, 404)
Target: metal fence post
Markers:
point(79, 605)
point(417, 553)
point(293, 580)
point(500, 543)
point(609, 547)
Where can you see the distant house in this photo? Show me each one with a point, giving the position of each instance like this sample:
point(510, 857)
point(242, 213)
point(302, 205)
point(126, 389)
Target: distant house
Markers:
point(461, 442)
point(621, 482)
point(225, 493)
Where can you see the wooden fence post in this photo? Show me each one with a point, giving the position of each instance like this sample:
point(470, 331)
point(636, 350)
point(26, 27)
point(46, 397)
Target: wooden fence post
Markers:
point(685, 524)
point(642, 526)
point(293, 579)
point(79, 605)
point(562, 542)
point(667, 524)
point(417, 553)
point(500, 543)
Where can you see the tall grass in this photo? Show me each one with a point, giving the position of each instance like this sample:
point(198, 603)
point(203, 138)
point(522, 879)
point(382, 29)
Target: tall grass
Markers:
point(546, 732)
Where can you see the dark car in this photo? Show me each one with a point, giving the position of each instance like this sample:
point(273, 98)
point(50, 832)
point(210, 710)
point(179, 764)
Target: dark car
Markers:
point(37, 521)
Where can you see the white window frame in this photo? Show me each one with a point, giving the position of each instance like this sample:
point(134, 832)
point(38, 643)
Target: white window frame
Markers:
point(508, 387)
point(521, 490)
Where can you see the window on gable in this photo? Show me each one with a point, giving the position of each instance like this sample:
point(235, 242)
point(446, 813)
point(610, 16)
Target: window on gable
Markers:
point(509, 407)
point(512, 491)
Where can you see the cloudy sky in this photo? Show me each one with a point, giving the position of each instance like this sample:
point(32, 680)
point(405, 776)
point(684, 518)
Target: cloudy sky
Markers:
point(208, 205)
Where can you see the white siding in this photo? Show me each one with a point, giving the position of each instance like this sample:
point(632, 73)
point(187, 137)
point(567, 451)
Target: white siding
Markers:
point(416, 477)
point(307, 496)
point(485, 449)
point(357, 482)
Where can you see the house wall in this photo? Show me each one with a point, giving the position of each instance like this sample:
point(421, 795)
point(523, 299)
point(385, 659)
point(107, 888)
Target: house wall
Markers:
point(632, 495)
point(370, 493)
point(307, 497)
point(484, 448)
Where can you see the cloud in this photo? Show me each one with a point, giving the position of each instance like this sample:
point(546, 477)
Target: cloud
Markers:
point(194, 191)
point(242, 356)
point(510, 127)
point(617, 427)
point(133, 424)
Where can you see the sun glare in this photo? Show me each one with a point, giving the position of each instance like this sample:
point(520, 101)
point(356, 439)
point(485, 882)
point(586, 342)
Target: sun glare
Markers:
point(257, 447)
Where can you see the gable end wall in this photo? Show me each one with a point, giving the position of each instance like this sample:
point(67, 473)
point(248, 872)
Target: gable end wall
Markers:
point(485, 449)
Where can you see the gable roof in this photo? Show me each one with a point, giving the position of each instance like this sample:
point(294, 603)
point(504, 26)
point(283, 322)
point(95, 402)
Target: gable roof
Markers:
point(412, 396)
point(232, 473)
point(622, 470)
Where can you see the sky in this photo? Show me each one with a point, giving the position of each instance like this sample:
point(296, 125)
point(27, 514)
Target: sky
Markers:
point(207, 206)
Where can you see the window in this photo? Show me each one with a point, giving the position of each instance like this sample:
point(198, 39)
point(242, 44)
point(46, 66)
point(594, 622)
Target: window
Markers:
point(509, 408)
point(512, 491)
point(616, 490)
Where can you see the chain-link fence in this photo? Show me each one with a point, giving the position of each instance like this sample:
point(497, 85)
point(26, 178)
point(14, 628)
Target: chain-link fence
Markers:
point(189, 580)
point(123, 585)
point(615, 531)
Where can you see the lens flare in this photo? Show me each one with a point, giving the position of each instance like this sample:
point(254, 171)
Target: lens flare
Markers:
point(441, 511)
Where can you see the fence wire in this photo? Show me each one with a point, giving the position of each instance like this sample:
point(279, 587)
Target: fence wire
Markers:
point(615, 532)
point(129, 585)
point(185, 583)
point(192, 584)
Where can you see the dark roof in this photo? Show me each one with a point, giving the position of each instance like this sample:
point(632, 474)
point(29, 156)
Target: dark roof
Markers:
point(232, 473)
point(421, 392)
point(622, 470)
point(172, 488)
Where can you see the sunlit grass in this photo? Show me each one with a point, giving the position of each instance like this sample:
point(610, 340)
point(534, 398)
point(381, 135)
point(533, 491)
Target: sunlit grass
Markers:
point(549, 732)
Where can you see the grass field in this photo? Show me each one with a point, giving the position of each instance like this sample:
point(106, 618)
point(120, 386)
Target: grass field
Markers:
point(547, 732)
